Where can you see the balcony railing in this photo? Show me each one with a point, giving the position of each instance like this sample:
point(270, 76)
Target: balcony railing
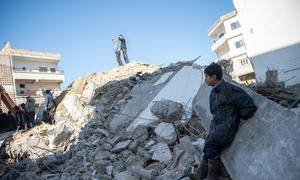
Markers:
point(36, 93)
point(37, 70)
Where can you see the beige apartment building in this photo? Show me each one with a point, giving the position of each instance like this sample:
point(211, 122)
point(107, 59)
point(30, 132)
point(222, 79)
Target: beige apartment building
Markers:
point(228, 44)
point(29, 73)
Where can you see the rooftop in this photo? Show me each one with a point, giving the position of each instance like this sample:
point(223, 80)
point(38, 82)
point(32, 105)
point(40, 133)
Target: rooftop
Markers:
point(221, 20)
point(7, 49)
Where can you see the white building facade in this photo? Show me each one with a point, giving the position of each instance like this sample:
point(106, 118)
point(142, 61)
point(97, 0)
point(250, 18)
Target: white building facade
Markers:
point(271, 30)
point(229, 44)
point(29, 73)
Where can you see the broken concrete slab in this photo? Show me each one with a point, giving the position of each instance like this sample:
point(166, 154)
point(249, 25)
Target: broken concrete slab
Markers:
point(121, 146)
point(141, 95)
point(167, 110)
point(88, 91)
point(138, 132)
point(58, 135)
point(165, 133)
point(184, 154)
point(125, 175)
point(266, 146)
point(102, 131)
point(114, 140)
point(163, 78)
point(161, 153)
point(142, 173)
point(73, 106)
point(181, 88)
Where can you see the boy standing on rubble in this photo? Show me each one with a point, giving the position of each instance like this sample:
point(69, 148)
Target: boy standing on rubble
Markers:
point(228, 103)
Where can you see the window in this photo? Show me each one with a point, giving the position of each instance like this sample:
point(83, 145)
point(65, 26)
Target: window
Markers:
point(52, 69)
point(43, 69)
point(23, 68)
point(235, 25)
point(21, 92)
point(244, 61)
point(221, 35)
point(239, 44)
point(22, 85)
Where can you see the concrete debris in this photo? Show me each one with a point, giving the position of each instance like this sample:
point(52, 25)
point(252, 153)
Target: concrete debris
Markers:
point(121, 146)
point(125, 176)
point(143, 173)
point(167, 110)
point(199, 144)
point(134, 122)
point(161, 153)
point(163, 78)
point(286, 97)
point(59, 135)
point(277, 91)
point(165, 133)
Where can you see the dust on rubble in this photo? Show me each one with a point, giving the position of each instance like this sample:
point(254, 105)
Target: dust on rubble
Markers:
point(81, 146)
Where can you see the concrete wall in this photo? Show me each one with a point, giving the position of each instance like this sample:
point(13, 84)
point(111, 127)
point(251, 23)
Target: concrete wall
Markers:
point(6, 78)
point(265, 147)
point(285, 60)
point(239, 67)
point(269, 26)
point(234, 51)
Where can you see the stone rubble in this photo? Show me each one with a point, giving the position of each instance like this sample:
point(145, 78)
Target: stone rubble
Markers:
point(81, 144)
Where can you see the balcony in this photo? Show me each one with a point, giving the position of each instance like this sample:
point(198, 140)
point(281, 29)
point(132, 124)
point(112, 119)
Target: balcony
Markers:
point(229, 34)
point(218, 43)
point(38, 75)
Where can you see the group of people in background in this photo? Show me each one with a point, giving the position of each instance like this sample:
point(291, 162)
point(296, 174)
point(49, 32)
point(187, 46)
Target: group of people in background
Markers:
point(24, 116)
point(120, 47)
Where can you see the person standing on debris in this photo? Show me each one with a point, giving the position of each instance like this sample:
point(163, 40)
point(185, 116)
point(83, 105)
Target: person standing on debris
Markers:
point(12, 121)
point(124, 48)
point(20, 118)
point(23, 109)
point(50, 105)
point(117, 47)
point(30, 109)
point(228, 103)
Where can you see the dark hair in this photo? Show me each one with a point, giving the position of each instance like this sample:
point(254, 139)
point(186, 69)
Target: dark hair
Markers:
point(214, 69)
point(47, 91)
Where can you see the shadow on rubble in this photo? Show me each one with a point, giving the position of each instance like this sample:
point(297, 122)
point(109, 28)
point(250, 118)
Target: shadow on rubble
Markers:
point(97, 153)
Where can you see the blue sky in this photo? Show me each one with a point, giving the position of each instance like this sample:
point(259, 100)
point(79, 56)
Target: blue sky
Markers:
point(157, 31)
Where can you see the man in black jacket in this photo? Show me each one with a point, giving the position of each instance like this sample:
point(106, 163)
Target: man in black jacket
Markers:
point(228, 103)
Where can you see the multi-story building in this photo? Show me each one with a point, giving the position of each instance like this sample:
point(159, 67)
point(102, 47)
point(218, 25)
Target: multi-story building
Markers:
point(271, 31)
point(229, 45)
point(29, 73)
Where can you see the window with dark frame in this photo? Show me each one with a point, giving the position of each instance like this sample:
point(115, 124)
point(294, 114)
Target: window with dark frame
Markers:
point(244, 61)
point(221, 35)
point(235, 25)
point(239, 44)
point(22, 85)
point(52, 69)
point(43, 69)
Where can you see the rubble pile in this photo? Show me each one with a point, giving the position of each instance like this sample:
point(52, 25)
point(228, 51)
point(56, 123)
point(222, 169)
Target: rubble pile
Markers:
point(81, 144)
point(279, 94)
point(276, 90)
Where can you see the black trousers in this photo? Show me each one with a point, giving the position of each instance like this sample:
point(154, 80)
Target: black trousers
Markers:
point(212, 152)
